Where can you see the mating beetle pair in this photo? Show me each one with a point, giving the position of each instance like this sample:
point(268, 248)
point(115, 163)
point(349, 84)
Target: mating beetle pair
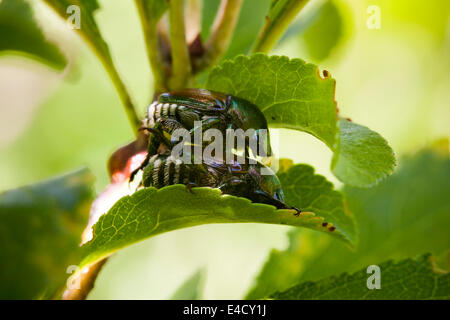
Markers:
point(180, 110)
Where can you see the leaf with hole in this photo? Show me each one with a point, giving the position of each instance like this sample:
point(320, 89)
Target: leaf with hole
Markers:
point(151, 211)
point(293, 95)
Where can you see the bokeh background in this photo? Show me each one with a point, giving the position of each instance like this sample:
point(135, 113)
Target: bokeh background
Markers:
point(393, 79)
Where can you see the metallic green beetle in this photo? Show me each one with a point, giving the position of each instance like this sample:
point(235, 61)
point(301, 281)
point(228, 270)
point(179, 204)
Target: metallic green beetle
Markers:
point(181, 109)
point(238, 180)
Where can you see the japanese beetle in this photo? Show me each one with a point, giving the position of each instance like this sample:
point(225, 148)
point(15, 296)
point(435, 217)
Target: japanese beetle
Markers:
point(251, 184)
point(164, 170)
point(221, 111)
point(238, 180)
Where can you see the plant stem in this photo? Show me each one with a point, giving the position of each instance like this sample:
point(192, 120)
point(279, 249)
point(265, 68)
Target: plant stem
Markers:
point(276, 23)
point(85, 279)
point(221, 33)
point(150, 29)
point(100, 49)
point(193, 14)
point(124, 97)
point(106, 60)
point(181, 62)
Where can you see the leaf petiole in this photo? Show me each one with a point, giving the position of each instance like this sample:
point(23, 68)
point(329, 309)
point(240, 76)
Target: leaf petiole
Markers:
point(281, 14)
point(181, 62)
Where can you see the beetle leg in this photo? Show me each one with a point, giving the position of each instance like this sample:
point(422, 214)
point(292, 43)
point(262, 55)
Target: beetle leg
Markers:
point(268, 199)
point(209, 123)
point(205, 125)
point(143, 165)
point(234, 186)
point(170, 125)
point(191, 185)
point(159, 138)
point(156, 138)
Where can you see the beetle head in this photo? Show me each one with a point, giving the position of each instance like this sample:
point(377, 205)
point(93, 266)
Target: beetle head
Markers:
point(268, 184)
point(249, 116)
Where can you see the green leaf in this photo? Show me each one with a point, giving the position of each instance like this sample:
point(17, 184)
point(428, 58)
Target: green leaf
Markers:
point(282, 268)
point(310, 192)
point(192, 288)
point(151, 211)
point(406, 214)
point(251, 20)
point(88, 27)
point(325, 32)
point(293, 95)
point(408, 279)
point(313, 193)
point(402, 217)
point(290, 92)
point(40, 232)
point(19, 33)
point(155, 8)
point(363, 157)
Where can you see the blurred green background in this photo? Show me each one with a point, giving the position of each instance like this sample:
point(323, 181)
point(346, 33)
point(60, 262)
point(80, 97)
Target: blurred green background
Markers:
point(393, 80)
